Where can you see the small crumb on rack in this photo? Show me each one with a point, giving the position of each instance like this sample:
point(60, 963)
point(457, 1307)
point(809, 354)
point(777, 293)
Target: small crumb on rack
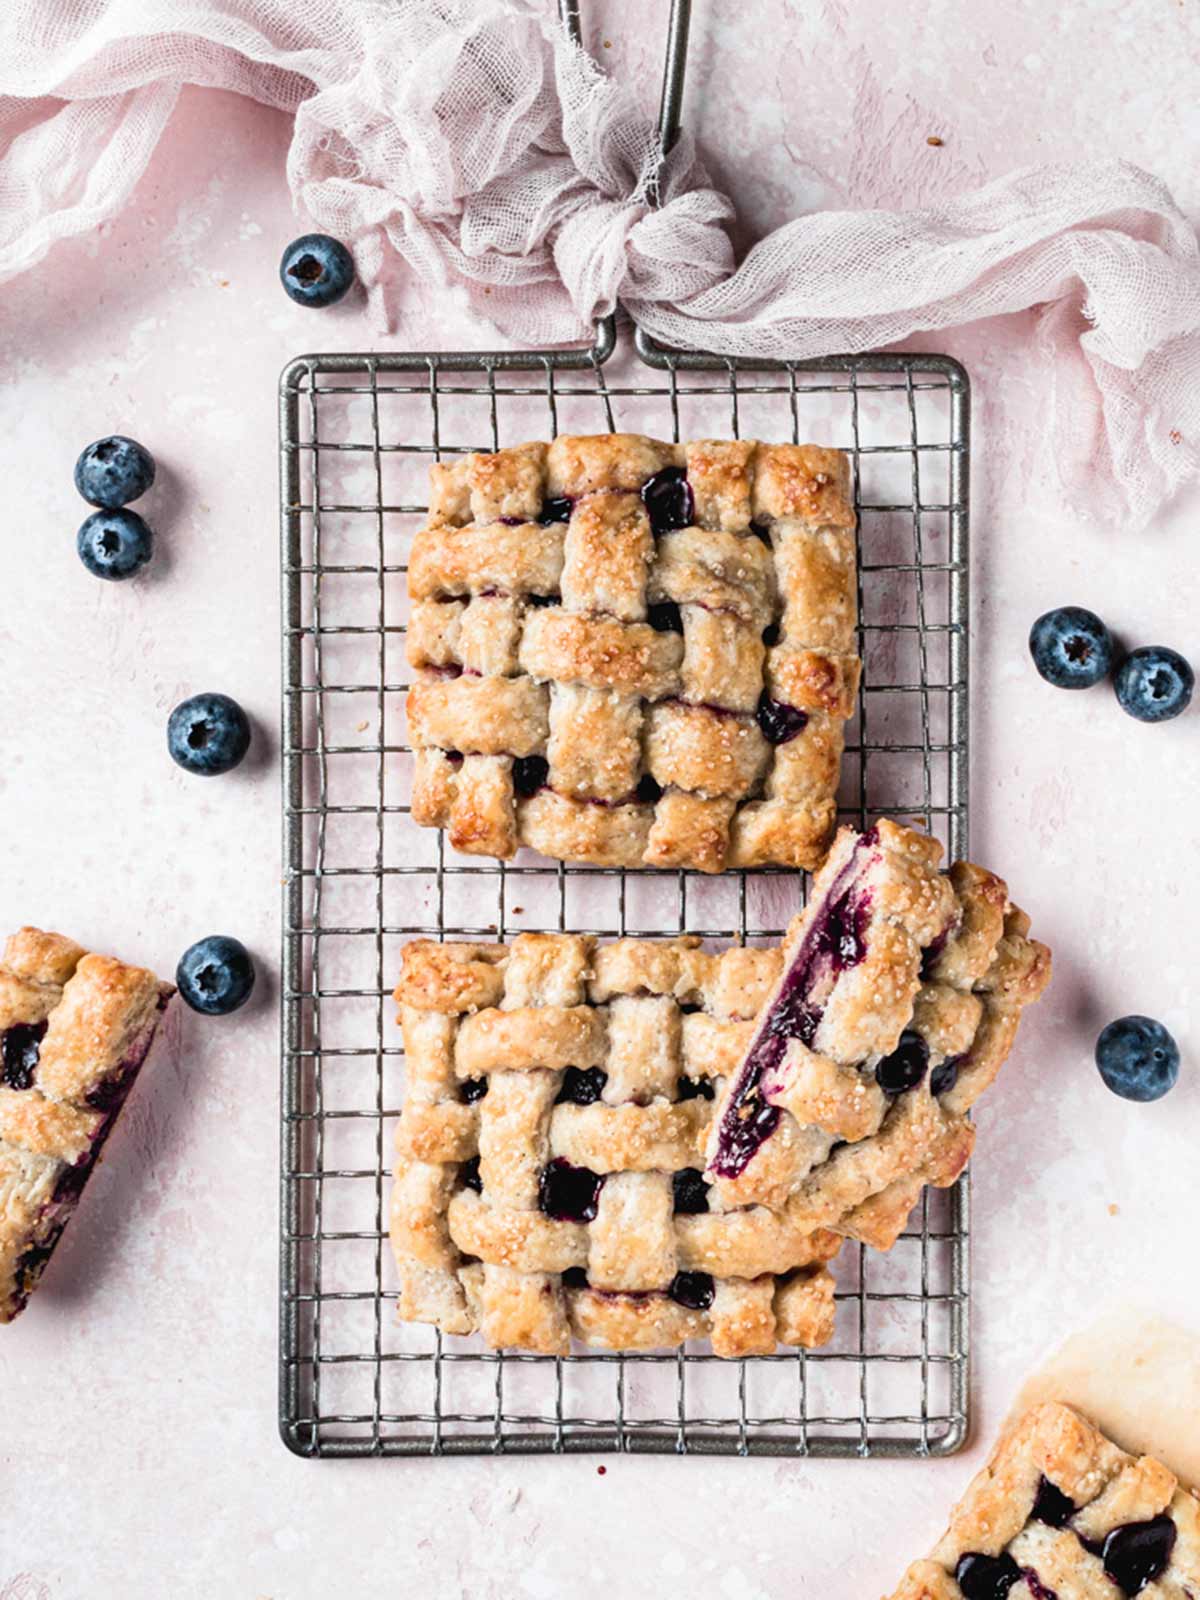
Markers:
point(517, 910)
point(1175, 436)
point(600, 1471)
point(361, 727)
point(607, 46)
point(935, 140)
point(1114, 1211)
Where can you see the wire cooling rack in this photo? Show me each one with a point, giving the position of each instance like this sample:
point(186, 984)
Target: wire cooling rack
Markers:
point(358, 434)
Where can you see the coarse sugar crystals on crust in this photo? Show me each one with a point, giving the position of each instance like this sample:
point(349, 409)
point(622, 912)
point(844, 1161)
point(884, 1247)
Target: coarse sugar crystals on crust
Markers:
point(547, 1186)
point(75, 1029)
point(1060, 1511)
point(631, 653)
point(896, 1005)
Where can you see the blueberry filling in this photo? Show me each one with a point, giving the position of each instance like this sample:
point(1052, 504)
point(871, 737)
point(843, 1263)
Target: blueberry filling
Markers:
point(694, 1088)
point(1051, 1505)
point(20, 1047)
point(692, 1290)
point(111, 1093)
point(691, 1192)
point(944, 1076)
point(474, 1089)
point(556, 510)
point(540, 600)
point(668, 500)
point(930, 954)
point(770, 635)
point(569, 1194)
point(510, 522)
point(575, 1278)
point(778, 721)
point(581, 1087)
point(761, 530)
point(1035, 1585)
point(905, 1067)
point(983, 1577)
point(530, 774)
point(454, 757)
point(835, 941)
point(649, 790)
point(1139, 1552)
point(469, 1175)
point(666, 618)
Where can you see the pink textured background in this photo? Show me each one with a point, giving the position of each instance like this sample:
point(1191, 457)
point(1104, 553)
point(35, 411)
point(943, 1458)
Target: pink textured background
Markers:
point(137, 1397)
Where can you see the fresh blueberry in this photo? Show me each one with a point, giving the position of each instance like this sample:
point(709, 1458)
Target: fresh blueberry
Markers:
point(1071, 647)
point(1154, 684)
point(114, 544)
point(216, 975)
point(111, 472)
point(208, 734)
point(316, 270)
point(1137, 1058)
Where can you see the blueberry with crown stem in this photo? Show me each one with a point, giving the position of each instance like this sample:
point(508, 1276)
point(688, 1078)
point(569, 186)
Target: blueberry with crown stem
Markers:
point(316, 270)
point(1071, 647)
point(114, 544)
point(216, 975)
point(113, 471)
point(208, 734)
point(1154, 683)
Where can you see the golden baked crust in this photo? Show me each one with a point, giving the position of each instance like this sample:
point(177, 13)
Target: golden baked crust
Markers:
point(1010, 1527)
point(605, 691)
point(896, 1006)
point(554, 1060)
point(74, 1031)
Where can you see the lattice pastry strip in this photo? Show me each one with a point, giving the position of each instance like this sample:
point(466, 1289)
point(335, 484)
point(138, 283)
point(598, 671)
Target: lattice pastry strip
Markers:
point(897, 1005)
point(1059, 1511)
point(74, 1031)
point(629, 652)
point(547, 1185)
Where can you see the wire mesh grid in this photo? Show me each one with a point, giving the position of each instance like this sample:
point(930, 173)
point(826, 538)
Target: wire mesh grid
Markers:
point(358, 434)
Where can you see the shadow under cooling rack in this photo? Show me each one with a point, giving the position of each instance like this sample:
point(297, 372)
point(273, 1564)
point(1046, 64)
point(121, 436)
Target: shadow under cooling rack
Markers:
point(358, 434)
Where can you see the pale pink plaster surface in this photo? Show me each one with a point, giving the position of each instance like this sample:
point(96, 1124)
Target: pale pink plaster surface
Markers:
point(137, 1397)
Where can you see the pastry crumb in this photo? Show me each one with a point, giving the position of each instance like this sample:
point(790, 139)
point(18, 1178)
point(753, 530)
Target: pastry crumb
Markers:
point(361, 727)
point(935, 140)
point(518, 910)
point(1114, 1211)
point(1175, 436)
point(600, 1471)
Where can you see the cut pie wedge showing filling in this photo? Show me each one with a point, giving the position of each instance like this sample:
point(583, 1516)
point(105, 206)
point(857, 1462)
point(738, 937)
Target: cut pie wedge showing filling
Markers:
point(897, 1003)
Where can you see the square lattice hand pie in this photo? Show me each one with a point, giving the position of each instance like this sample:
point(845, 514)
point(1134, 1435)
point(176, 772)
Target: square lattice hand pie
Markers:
point(559, 1097)
point(1060, 1513)
point(896, 1007)
point(74, 1031)
point(635, 653)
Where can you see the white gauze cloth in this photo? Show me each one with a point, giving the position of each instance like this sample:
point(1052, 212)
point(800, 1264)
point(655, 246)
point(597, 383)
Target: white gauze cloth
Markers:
point(472, 140)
